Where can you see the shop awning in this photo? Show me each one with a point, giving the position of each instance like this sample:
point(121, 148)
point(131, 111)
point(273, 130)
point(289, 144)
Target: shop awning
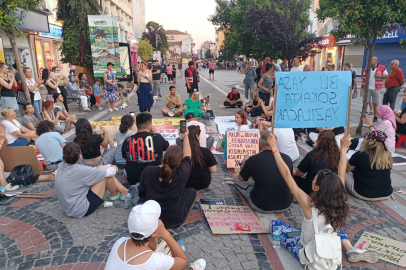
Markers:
point(34, 20)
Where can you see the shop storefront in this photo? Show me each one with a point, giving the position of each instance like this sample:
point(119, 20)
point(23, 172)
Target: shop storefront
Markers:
point(329, 53)
point(352, 54)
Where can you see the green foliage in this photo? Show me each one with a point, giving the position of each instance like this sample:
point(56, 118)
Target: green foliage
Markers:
point(76, 44)
point(152, 34)
point(145, 49)
point(10, 15)
point(403, 43)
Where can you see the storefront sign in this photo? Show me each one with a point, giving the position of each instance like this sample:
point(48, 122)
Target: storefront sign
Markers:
point(327, 41)
point(33, 20)
point(349, 39)
point(54, 32)
point(392, 36)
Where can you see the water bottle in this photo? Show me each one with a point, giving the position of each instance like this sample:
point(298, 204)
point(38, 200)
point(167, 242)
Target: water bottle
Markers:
point(276, 237)
point(182, 245)
point(127, 201)
point(249, 114)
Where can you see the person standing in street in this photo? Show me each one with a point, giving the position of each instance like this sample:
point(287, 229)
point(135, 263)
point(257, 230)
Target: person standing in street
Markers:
point(393, 84)
point(163, 73)
point(156, 76)
point(110, 92)
point(296, 65)
point(267, 61)
point(378, 73)
point(250, 75)
point(212, 67)
point(169, 71)
point(258, 70)
point(180, 67)
point(145, 100)
point(192, 79)
point(347, 67)
point(265, 84)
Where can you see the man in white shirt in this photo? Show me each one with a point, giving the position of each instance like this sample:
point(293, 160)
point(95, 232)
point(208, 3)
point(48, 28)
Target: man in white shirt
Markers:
point(285, 140)
point(192, 121)
point(296, 65)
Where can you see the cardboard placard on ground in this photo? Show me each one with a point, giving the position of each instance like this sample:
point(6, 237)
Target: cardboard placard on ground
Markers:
point(389, 250)
point(14, 156)
point(240, 145)
point(222, 219)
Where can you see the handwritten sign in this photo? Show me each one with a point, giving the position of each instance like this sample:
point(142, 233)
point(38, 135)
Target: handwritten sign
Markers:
point(222, 219)
point(388, 249)
point(240, 145)
point(156, 122)
point(312, 99)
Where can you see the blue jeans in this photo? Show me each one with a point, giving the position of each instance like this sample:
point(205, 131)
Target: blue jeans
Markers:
point(159, 88)
point(37, 107)
point(19, 142)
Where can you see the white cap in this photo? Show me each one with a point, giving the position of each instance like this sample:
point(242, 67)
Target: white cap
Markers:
point(144, 219)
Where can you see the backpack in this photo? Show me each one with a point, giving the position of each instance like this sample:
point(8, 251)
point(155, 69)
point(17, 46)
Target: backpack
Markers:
point(323, 252)
point(22, 175)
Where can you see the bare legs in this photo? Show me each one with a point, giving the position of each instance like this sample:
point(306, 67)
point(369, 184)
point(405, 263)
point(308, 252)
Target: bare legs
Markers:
point(110, 183)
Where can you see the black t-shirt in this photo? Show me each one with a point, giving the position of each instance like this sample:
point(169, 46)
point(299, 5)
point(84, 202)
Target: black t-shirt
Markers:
point(179, 66)
point(135, 77)
point(7, 92)
point(310, 166)
point(270, 191)
point(232, 96)
point(156, 77)
point(254, 102)
point(200, 177)
point(141, 150)
point(170, 198)
point(163, 69)
point(95, 142)
point(338, 130)
point(370, 183)
point(194, 73)
point(258, 70)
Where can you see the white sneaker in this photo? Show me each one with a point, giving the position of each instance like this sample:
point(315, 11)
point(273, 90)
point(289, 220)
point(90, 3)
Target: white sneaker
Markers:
point(86, 109)
point(200, 264)
point(222, 106)
point(115, 108)
point(110, 109)
point(100, 108)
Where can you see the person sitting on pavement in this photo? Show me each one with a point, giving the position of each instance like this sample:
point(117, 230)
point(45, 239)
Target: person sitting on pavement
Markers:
point(325, 155)
point(286, 142)
point(60, 106)
point(144, 148)
point(16, 134)
point(75, 92)
point(29, 120)
point(338, 132)
point(203, 161)
point(400, 117)
point(328, 205)
point(50, 145)
point(266, 113)
point(233, 99)
point(205, 141)
point(166, 184)
point(90, 145)
point(261, 183)
point(254, 103)
point(49, 115)
point(138, 252)
point(81, 188)
point(83, 84)
point(371, 166)
point(173, 103)
point(193, 105)
point(125, 130)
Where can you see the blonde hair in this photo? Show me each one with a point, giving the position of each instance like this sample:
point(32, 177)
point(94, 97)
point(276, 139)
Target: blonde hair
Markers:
point(256, 97)
point(5, 112)
point(378, 156)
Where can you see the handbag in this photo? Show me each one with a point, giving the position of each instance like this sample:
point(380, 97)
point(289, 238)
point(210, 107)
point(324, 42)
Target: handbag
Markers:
point(22, 175)
point(109, 87)
point(21, 99)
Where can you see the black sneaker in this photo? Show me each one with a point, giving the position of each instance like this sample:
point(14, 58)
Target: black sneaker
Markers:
point(375, 119)
point(159, 95)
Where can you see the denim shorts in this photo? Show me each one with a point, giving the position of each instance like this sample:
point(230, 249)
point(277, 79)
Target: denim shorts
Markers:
point(9, 102)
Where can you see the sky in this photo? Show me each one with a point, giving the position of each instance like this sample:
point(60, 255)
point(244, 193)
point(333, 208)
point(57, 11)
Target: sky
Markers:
point(183, 15)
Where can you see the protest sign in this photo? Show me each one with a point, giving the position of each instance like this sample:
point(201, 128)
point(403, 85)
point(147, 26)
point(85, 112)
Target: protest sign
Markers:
point(240, 145)
point(222, 219)
point(389, 250)
point(312, 99)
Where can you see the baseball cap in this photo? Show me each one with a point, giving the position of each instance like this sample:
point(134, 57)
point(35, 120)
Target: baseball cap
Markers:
point(144, 219)
point(189, 116)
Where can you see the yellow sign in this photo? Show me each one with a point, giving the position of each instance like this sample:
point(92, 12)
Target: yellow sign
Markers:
point(115, 120)
point(2, 57)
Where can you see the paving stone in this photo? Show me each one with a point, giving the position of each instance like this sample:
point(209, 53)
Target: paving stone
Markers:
point(42, 262)
point(249, 265)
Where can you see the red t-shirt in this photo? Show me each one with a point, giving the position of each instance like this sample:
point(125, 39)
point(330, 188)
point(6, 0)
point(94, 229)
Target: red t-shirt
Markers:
point(395, 78)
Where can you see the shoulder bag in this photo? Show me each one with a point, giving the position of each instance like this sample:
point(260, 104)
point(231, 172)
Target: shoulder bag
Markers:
point(21, 99)
point(22, 175)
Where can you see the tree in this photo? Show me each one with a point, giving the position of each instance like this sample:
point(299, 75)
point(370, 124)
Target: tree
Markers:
point(208, 54)
point(282, 24)
point(367, 19)
point(145, 49)
point(75, 30)
point(12, 13)
point(157, 37)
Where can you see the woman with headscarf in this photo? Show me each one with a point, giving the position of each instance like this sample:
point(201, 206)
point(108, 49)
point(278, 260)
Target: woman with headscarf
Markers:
point(388, 125)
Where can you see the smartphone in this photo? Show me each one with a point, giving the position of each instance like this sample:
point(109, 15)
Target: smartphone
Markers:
point(293, 234)
point(182, 126)
point(132, 114)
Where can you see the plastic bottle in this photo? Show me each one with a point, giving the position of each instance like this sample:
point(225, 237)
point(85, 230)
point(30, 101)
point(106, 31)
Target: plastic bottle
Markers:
point(276, 237)
point(182, 245)
point(249, 114)
point(127, 201)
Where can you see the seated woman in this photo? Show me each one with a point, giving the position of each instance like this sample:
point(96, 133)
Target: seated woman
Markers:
point(400, 118)
point(371, 168)
point(325, 155)
point(60, 106)
point(267, 112)
point(83, 84)
point(16, 134)
point(49, 115)
point(203, 162)
point(74, 92)
point(254, 108)
point(318, 210)
point(90, 145)
point(166, 184)
point(314, 133)
point(81, 188)
point(138, 251)
point(193, 105)
point(50, 144)
point(29, 120)
point(127, 123)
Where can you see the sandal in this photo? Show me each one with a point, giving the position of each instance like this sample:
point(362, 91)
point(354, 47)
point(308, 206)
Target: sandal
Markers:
point(114, 198)
point(11, 188)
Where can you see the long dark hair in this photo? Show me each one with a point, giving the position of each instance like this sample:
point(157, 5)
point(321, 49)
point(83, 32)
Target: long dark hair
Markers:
point(45, 74)
point(327, 148)
point(127, 121)
point(173, 156)
point(83, 132)
point(331, 199)
point(197, 157)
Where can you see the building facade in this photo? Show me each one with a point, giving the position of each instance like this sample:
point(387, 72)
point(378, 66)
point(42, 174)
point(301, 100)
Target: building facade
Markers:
point(139, 18)
point(123, 10)
point(206, 46)
point(180, 47)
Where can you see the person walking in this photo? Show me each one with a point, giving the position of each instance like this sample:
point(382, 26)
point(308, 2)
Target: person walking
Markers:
point(110, 87)
point(169, 71)
point(145, 77)
point(250, 75)
point(212, 67)
point(393, 84)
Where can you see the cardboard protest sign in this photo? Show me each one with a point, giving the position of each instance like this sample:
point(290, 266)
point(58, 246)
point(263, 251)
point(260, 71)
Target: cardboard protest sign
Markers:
point(222, 219)
point(312, 99)
point(389, 250)
point(240, 145)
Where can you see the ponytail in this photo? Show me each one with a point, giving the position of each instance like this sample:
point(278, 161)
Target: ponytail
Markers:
point(172, 158)
point(166, 174)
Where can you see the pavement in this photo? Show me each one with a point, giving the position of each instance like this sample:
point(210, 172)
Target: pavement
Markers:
point(36, 234)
